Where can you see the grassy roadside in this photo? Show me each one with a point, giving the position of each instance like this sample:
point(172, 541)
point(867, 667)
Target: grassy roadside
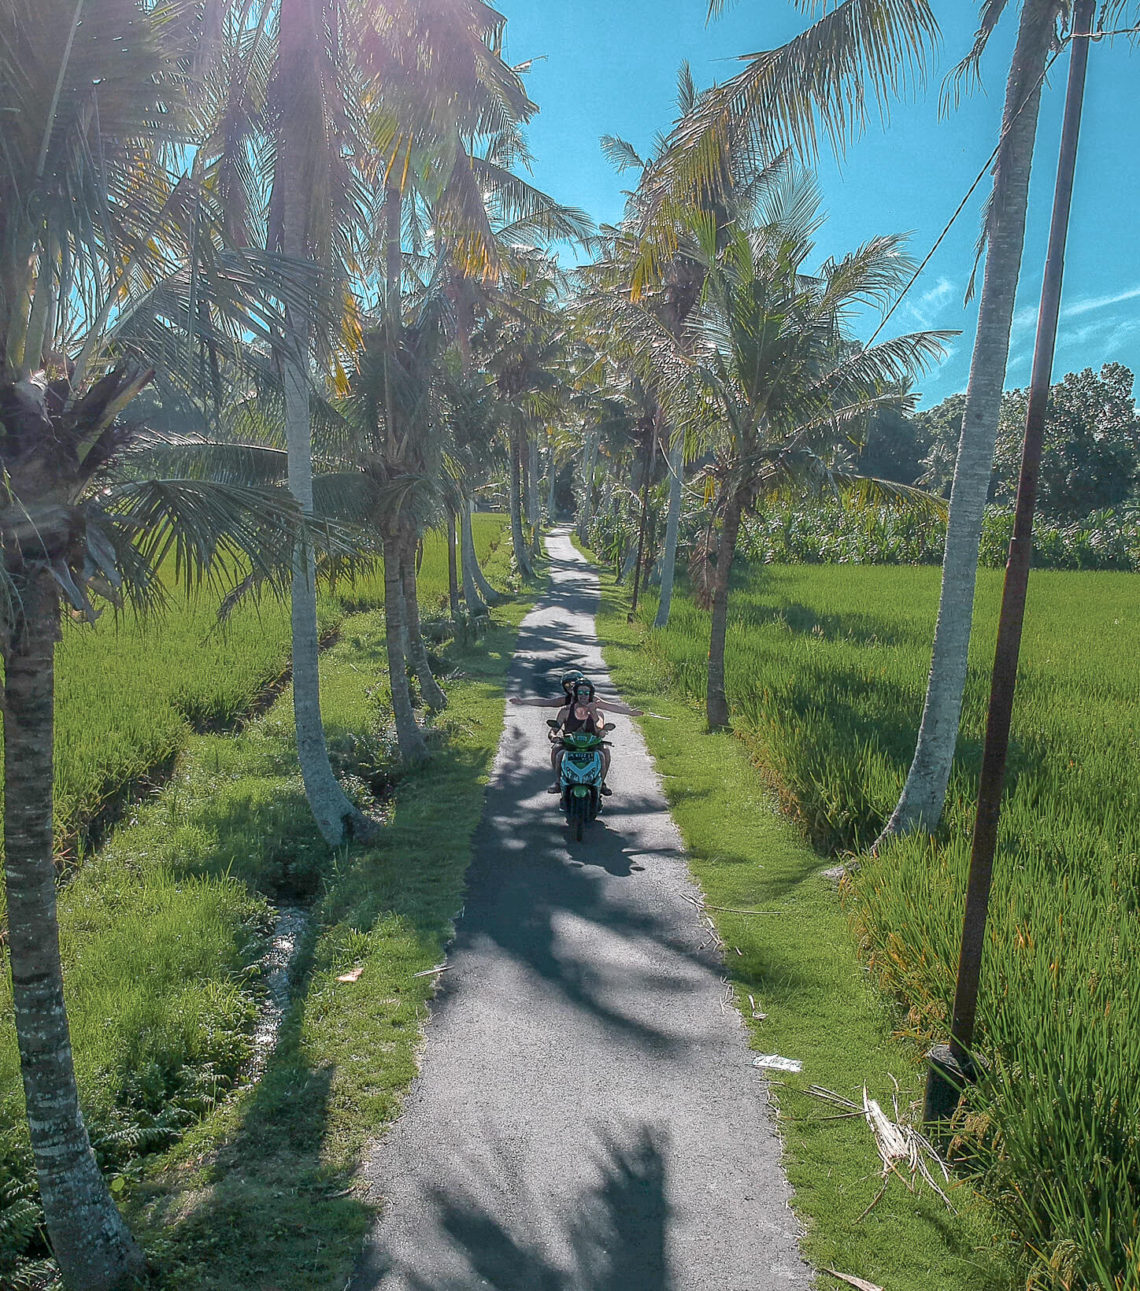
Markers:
point(261, 1193)
point(162, 933)
point(799, 966)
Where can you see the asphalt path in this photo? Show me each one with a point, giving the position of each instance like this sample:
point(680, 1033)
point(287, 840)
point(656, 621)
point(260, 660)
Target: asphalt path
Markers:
point(586, 1116)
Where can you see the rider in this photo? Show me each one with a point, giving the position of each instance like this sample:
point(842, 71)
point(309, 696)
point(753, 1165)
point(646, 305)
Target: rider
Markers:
point(569, 677)
point(569, 680)
point(581, 714)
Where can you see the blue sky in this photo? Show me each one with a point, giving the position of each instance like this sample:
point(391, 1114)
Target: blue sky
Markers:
point(610, 67)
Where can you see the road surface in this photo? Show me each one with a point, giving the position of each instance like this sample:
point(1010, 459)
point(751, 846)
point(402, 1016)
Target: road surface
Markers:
point(587, 1117)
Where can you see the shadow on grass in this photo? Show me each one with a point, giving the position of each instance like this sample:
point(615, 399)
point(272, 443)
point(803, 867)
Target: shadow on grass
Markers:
point(860, 629)
point(862, 714)
point(265, 1207)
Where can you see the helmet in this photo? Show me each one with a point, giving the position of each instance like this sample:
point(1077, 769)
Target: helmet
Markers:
point(584, 683)
point(571, 677)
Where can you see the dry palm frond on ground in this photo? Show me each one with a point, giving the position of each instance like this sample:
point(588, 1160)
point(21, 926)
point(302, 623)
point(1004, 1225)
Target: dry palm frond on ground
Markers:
point(902, 1149)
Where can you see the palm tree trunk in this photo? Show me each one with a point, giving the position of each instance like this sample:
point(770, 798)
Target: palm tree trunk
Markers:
point(672, 528)
point(551, 485)
point(643, 525)
point(471, 559)
point(430, 689)
point(626, 564)
point(589, 452)
point(522, 557)
point(452, 568)
point(92, 1245)
point(334, 814)
point(408, 734)
point(475, 603)
point(393, 250)
point(717, 700)
point(924, 793)
point(533, 509)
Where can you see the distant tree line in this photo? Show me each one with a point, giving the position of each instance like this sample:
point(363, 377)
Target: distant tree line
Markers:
point(1091, 457)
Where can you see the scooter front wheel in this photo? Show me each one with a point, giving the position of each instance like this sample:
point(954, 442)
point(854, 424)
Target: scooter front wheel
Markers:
point(577, 816)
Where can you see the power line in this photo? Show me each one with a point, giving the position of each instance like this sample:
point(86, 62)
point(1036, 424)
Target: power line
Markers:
point(969, 193)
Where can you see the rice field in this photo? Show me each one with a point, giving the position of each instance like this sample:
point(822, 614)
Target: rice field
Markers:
point(827, 669)
point(131, 689)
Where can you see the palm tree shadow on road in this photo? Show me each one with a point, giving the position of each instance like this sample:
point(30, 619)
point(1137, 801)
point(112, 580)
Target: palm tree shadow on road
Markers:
point(614, 1237)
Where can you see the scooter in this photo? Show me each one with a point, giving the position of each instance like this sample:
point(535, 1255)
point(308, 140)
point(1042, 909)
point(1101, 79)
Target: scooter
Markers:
point(581, 776)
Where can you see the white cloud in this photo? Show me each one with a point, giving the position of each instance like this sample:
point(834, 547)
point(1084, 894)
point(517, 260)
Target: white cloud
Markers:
point(938, 295)
point(1024, 319)
point(924, 309)
point(1087, 305)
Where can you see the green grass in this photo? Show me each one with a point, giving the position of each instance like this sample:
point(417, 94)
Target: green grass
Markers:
point(262, 1192)
point(162, 930)
point(800, 967)
point(827, 670)
point(131, 689)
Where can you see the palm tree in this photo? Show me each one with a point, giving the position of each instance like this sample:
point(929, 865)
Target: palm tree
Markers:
point(772, 367)
point(474, 449)
point(674, 286)
point(311, 201)
point(924, 791)
point(447, 122)
point(107, 263)
point(470, 252)
point(822, 78)
point(521, 344)
point(397, 395)
point(358, 99)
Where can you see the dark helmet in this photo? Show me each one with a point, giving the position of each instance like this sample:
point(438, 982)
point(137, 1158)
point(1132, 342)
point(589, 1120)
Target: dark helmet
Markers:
point(571, 677)
point(584, 683)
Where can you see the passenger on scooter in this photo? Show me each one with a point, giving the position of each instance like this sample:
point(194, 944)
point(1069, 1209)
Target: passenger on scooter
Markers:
point(569, 679)
point(560, 701)
point(581, 715)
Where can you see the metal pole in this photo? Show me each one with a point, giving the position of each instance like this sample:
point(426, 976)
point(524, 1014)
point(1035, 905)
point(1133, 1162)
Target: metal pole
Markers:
point(951, 1066)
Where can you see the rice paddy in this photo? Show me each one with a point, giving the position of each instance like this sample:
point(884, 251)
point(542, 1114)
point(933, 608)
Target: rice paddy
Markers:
point(827, 669)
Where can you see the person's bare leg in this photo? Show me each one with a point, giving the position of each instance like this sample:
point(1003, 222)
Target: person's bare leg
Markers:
point(556, 758)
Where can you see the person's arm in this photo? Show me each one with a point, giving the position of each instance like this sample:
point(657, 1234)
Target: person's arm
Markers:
point(612, 706)
point(537, 703)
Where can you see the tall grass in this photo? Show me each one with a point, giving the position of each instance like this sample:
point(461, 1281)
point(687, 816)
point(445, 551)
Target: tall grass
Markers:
point(131, 689)
point(835, 532)
point(827, 668)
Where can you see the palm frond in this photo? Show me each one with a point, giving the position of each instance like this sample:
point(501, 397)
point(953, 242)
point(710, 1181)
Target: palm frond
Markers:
point(620, 153)
point(818, 82)
point(966, 75)
point(190, 457)
point(347, 498)
point(212, 533)
point(686, 89)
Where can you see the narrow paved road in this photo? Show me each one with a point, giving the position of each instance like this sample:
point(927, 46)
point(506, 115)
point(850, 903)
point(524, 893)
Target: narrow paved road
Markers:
point(587, 1117)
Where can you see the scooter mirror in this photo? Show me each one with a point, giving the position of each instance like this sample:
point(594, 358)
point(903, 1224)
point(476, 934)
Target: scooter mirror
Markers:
point(609, 726)
point(552, 723)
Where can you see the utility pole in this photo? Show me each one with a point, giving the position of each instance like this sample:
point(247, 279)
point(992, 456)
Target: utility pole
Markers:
point(951, 1067)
